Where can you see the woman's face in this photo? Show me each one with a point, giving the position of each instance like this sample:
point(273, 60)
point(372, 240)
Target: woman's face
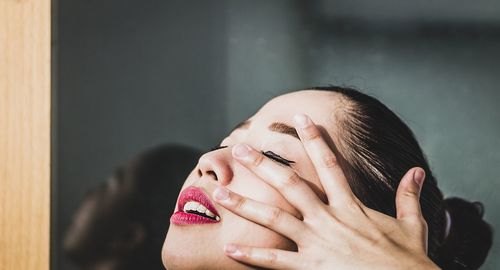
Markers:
point(270, 129)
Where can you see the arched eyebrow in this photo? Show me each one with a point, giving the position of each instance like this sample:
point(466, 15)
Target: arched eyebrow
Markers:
point(275, 126)
point(284, 128)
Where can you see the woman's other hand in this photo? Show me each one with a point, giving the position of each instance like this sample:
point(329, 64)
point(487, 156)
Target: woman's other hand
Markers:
point(342, 234)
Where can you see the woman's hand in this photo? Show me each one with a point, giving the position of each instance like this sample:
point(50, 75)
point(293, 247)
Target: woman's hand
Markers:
point(343, 234)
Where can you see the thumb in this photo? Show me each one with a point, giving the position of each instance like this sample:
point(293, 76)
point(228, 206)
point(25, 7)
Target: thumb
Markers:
point(408, 194)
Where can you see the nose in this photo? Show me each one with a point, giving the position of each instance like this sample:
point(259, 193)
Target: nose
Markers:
point(216, 165)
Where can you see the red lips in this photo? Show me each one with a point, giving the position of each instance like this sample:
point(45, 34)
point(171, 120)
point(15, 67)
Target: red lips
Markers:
point(198, 195)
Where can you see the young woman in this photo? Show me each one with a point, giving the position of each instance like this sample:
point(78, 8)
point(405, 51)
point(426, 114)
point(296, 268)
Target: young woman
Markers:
point(321, 179)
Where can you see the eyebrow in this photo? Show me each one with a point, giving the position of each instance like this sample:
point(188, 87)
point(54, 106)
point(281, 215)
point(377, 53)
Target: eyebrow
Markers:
point(284, 128)
point(275, 126)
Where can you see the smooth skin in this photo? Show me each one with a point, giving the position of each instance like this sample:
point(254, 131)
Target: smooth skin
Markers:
point(340, 234)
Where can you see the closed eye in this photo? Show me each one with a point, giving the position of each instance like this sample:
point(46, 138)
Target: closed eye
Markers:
point(278, 158)
point(268, 154)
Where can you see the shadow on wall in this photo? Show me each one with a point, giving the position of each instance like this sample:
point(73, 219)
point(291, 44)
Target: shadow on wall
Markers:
point(121, 224)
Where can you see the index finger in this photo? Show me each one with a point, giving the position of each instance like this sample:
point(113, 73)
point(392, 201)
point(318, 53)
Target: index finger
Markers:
point(330, 174)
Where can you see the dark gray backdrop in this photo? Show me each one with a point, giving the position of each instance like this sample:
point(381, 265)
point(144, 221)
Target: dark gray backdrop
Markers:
point(133, 74)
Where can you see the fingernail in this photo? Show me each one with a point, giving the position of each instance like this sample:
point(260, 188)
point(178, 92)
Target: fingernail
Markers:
point(232, 249)
point(302, 120)
point(241, 150)
point(221, 194)
point(418, 177)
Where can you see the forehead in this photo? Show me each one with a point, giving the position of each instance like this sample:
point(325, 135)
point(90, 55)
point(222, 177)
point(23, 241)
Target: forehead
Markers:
point(319, 105)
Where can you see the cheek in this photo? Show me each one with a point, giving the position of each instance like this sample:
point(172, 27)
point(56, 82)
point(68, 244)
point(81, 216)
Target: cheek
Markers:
point(236, 228)
point(241, 231)
point(256, 189)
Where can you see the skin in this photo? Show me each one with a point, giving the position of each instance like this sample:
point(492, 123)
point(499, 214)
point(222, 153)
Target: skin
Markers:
point(299, 217)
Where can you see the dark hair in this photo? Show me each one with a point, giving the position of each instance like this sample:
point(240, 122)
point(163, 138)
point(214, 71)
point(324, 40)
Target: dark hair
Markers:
point(376, 149)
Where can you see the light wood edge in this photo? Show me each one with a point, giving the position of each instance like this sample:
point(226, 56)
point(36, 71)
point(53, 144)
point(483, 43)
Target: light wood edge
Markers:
point(24, 134)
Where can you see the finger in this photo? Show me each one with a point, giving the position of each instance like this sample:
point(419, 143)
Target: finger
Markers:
point(293, 188)
point(271, 217)
point(263, 257)
point(331, 176)
point(408, 194)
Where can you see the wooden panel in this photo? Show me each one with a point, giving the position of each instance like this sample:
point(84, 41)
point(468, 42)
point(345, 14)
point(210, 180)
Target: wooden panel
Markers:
point(24, 134)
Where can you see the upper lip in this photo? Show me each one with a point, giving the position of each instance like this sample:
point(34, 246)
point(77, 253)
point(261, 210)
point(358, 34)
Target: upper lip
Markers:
point(198, 195)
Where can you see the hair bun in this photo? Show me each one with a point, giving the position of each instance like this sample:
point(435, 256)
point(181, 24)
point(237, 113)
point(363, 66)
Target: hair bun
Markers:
point(469, 239)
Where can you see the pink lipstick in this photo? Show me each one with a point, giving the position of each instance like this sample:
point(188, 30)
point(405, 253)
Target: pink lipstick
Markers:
point(194, 207)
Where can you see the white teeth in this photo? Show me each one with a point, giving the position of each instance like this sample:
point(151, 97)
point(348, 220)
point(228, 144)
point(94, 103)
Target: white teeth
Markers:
point(201, 209)
point(191, 206)
point(196, 206)
point(209, 213)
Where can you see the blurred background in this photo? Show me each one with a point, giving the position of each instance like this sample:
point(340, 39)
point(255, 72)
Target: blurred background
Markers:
point(131, 75)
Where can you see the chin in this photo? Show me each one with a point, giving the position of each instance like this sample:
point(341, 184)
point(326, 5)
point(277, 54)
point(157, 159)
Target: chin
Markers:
point(188, 247)
point(194, 250)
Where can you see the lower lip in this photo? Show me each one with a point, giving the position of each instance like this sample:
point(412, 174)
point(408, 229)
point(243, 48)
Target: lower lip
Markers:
point(181, 218)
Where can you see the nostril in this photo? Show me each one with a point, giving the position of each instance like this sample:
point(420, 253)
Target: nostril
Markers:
point(209, 173)
point(212, 173)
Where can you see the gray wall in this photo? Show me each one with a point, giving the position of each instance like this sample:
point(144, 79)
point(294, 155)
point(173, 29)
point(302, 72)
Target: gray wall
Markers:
point(134, 74)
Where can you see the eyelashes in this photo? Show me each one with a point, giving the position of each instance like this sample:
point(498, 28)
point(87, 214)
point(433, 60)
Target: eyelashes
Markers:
point(278, 158)
point(269, 154)
point(217, 147)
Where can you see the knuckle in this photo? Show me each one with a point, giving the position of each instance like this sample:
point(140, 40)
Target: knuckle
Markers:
point(240, 204)
point(290, 181)
point(273, 216)
point(353, 206)
point(258, 160)
point(378, 237)
point(272, 257)
point(423, 223)
point(417, 221)
point(410, 194)
point(248, 254)
point(419, 228)
point(329, 160)
point(311, 133)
